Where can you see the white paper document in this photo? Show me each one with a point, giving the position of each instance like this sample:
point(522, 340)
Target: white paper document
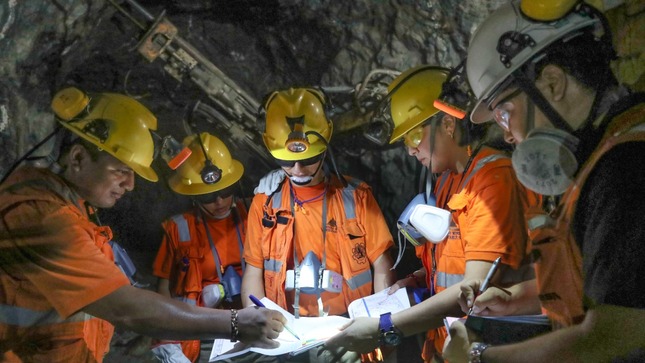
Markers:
point(379, 303)
point(313, 331)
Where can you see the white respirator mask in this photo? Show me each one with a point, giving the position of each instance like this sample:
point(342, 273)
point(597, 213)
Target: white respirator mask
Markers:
point(545, 161)
point(212, 295)
point(431, 222)
point(312, 280)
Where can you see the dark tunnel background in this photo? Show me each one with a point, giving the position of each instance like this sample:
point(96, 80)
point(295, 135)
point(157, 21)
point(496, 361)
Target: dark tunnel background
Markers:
point(261, 46)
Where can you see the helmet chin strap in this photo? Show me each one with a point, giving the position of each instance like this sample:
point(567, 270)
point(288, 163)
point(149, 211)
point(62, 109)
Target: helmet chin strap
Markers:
point(538, 99)
point(530, 116)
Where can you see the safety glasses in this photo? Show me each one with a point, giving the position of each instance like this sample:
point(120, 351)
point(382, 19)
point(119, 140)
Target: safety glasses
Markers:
point(305, 162)
point(413, 138)
point(503, 108)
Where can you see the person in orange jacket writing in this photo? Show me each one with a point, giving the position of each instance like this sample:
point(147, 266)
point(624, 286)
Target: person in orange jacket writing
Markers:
point(200, 258)
point(476, 184)
point(305, 219)
point(542, 71)
point(62, 293)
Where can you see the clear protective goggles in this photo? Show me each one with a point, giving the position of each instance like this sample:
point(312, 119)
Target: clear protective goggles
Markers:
point(502, 110)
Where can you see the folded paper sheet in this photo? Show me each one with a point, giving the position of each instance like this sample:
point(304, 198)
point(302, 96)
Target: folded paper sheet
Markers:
point(313, 331)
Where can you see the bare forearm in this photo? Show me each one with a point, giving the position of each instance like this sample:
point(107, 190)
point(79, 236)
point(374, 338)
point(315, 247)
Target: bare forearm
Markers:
point(525, 299)
point(151, 314)
point(252, 284)
point(430, 313)
point(383, 275)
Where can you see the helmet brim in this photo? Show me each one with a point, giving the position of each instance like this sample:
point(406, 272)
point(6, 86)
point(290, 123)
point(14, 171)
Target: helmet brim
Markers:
point(229, 177)
point(146, 172)
point(408, 125)
point(315, 148)
point(481, 114)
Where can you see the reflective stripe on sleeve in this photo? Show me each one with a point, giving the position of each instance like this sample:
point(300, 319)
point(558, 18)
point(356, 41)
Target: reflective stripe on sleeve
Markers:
point(272, 265)
point(360, 280)
point(23, 317)
point(182, 228)
point(446, 280)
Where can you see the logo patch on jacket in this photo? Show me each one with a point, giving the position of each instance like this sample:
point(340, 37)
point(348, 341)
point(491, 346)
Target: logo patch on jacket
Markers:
point(331, 226)
point(359, 253)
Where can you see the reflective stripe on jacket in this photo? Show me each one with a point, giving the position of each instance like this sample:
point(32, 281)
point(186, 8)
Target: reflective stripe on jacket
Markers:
point(30, 326)
point(478, 230)
point(277, 242)
point(191, 247)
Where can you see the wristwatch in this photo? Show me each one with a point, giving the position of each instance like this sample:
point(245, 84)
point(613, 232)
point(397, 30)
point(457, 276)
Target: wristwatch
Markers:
point(476, 351)
point(389, 334)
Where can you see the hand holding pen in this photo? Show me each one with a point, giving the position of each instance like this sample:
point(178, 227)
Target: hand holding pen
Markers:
point(259, 303)
point(486, 282)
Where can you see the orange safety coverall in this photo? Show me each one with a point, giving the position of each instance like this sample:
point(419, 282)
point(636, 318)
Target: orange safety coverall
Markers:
point(185, 259)
point(54, 262)
point(352, 244)
point(487, 205)
point(559, 263)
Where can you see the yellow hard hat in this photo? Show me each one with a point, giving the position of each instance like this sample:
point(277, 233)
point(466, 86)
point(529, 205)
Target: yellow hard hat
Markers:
point(547, 10)
point(188, 180)
point(116, 124)
point(411, 97)
point(291, 116)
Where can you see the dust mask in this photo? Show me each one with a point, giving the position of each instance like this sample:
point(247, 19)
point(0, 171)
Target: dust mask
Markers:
point(545, 161)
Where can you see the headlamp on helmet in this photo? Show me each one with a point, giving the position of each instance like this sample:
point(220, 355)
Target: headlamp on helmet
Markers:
point(290, 117)
point(456, 96)
point(297, 140)
point(209, 168)
point(411, 96)
point(173, 152)
point(210, 173)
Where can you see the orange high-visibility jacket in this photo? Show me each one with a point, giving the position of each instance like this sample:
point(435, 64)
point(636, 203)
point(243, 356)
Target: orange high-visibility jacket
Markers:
point(559, 265)
point(487, 204)
point(54, 261)
point(356, 235)
point(185, 257)
point(186, 260)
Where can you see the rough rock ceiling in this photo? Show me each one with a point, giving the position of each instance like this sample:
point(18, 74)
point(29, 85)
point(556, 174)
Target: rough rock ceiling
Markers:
point(262, 45)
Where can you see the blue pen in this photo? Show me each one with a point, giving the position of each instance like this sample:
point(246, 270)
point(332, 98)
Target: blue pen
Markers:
point(257, 302)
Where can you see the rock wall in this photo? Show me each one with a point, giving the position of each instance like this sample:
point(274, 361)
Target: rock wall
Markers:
point(261, 45)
